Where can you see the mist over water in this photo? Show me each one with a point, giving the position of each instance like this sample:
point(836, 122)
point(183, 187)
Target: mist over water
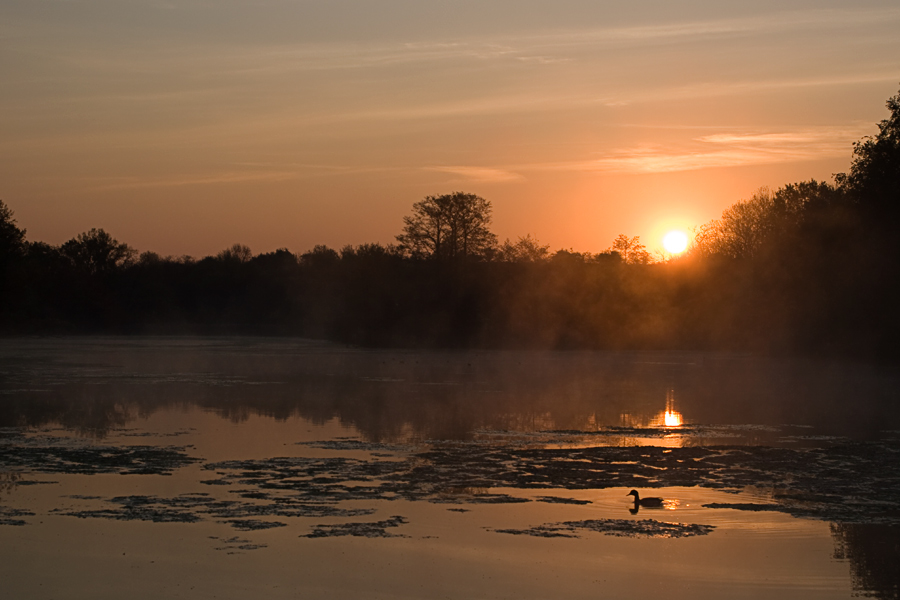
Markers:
point(436, 394)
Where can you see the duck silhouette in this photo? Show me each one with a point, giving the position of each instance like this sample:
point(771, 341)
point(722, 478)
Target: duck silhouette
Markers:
point(643, 502)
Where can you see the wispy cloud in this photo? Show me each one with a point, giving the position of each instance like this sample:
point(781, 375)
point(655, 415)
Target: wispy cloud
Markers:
point(478, 174)
point(769, 23)
point(243, 172)
point(547, 48)
point(124, 183)
point(725, 150)
point(534, 46)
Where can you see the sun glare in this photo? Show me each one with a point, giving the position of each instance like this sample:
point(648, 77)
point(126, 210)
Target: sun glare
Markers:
point(672, 418)
point(675, 242)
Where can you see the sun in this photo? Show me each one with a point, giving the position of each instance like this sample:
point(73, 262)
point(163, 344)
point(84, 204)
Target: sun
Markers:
point(675, 242)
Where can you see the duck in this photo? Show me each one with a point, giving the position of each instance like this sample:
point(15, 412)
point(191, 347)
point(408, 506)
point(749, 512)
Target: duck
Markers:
point(645, 502)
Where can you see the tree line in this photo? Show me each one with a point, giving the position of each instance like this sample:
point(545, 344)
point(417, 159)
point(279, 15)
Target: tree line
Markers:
point(811, 267)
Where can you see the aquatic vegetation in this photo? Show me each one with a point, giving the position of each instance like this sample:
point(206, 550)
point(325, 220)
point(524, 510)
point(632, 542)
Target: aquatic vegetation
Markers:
point(371, 530)
point(616, 527)
point(751, 506)
point(433, 453)
point(234, 544)
point(191, 508)
point(852, 481)
point(10, 516)
point(47, 454)
point(559, 500)
point(254, 524)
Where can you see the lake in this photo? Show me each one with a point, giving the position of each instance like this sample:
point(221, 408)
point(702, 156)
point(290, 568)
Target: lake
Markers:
point(283, 468)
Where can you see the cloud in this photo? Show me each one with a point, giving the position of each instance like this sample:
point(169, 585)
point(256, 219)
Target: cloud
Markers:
point(241, 172)
point(123, 183)
point(726, 150)
point(561, 46)
point(533, 46)
point(478, 174)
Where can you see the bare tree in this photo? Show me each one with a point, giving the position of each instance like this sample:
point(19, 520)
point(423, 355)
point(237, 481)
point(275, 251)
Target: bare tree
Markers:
point(453, 226)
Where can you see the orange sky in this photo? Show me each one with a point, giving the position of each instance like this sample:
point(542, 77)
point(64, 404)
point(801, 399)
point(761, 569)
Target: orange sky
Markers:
point(183, 127)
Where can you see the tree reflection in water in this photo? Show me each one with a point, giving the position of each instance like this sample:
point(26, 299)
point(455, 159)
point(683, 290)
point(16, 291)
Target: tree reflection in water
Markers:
point(872, 551)
point(391, 395)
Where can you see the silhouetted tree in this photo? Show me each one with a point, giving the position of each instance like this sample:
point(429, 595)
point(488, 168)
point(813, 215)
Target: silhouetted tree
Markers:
point(96, 252)
point(795, 215)
point(320, 257)
point(631, 250)
point(12, 239)
point(150, 258)
point(237, 253)
point(452, 226)
point(874, 178)
point(798, 200)
point(12, 249)
point(743, 229)
point(526, 249)
point(811, 267)
point(370, 252)
point(567, 257)
point(281, 259)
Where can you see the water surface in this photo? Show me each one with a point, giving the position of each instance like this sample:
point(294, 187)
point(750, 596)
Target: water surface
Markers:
point(213, 467)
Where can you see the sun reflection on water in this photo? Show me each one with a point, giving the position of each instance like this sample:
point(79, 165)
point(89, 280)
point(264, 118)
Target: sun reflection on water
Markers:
point(669, 421)
point(670, 417)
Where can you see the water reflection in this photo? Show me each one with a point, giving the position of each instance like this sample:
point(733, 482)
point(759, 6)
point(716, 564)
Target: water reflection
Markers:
point(872, 551)
point(665, 427)
point(92, 386)
point(488, 428)
point(671, 418)
point(647, 502)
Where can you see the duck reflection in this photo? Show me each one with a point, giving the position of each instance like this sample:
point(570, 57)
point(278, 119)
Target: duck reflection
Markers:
point(644, 502)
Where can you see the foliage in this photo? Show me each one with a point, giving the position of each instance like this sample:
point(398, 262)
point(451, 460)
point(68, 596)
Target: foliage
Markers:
point(632, 251)
point(320, 256)
point(236, 254)
point(280, 259)
point(526, 249)
point(801, 200)
point(874, 178)
point(449, 227)
point(371, 252)
point(12, 239)
point(810, 268)
point(97, 252)
point(742, 231)
point(765, 223)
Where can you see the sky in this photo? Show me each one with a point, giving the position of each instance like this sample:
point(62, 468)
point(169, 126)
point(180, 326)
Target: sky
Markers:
point(185, 126)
